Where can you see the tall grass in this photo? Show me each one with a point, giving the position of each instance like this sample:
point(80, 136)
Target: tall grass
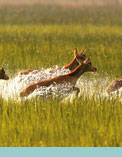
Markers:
point(36, 41)
point(25, 47)
point(85, 122)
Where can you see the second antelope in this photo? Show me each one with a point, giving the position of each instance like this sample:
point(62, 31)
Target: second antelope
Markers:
point(71, 66)
point(72, 77)
point(114, 86)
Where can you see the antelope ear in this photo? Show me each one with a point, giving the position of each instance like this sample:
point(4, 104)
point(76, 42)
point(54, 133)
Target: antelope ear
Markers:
point(89, 59)
point(2, 69)
point(75, 51)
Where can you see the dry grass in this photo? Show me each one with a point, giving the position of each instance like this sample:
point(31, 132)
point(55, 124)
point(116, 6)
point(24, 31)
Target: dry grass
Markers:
point(64, 3)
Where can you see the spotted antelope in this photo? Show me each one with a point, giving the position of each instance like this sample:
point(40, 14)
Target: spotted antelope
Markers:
point(72, 77)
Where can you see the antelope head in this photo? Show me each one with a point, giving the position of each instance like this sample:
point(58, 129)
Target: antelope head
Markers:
point(88, 64)
point(3, 75)
point(80, 55)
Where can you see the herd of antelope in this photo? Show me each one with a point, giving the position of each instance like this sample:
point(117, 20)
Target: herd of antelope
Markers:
point(79, 65)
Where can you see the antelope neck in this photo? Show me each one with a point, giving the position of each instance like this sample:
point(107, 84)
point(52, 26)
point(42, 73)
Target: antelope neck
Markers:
point(78, 71)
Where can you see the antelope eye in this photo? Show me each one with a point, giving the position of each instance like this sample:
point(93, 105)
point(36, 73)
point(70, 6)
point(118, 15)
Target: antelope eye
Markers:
point(83, 55)
point(3, 71)
point(90, 63)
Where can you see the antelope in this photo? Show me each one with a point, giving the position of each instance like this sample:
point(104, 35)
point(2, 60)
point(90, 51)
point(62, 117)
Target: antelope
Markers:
point(3, 76)
point(72, 77)
point(71, 66)
point(114, 86)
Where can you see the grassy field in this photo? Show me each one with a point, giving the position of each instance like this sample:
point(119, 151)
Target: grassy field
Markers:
point(44, 36)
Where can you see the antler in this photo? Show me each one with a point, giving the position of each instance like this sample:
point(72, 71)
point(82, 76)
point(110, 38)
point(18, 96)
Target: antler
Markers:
point(76, 51)
point(88, 59)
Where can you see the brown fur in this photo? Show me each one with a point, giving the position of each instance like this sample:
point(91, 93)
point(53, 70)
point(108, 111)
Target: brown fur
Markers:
point(3, 76)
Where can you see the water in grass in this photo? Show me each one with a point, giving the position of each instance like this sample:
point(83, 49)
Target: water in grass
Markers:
point(90, 84)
